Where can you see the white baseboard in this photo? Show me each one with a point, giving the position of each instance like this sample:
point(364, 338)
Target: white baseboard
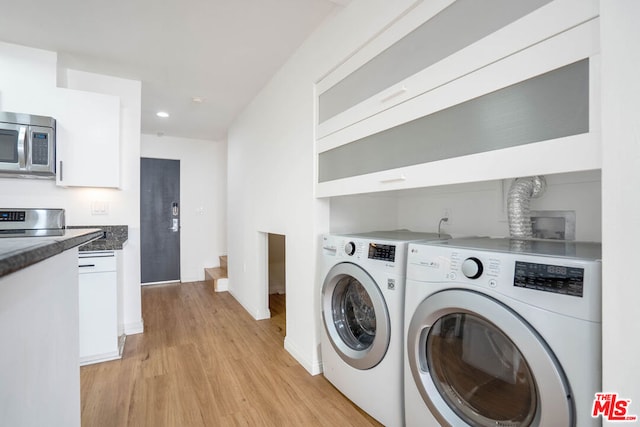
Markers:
point(262, 314)
point(258, 314)
point(134, 327)
point(222, 285)
point(313, 367)
point(97, 358)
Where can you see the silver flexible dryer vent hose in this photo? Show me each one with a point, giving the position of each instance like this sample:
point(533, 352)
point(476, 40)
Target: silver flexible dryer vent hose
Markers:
point(518, 204)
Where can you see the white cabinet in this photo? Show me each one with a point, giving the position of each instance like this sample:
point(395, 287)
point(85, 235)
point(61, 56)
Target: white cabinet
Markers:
point(434, 44)
point(87, 138)
point(511, 104)
point(98, 303)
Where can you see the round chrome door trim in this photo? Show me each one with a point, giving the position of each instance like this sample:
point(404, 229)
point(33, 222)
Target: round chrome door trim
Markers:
point(555, 404)
point(373, 354)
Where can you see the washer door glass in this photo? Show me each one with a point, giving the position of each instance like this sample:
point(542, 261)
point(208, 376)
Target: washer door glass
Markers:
point(480, 373)
point(355, 316)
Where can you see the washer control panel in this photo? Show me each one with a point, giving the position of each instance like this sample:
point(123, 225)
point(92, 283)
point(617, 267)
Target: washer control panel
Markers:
point(472, 268)
point(360, 249)
point(350, 248)
point(382, 252)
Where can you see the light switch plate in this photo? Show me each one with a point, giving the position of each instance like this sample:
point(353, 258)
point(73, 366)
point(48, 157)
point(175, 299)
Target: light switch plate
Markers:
point(99, 207)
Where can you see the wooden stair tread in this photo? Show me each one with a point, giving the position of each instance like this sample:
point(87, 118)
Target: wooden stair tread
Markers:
point(216, 273)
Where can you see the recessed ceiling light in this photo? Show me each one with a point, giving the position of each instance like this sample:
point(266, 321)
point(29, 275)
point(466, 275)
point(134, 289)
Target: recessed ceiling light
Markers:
point(197, 100)
point(162, 114)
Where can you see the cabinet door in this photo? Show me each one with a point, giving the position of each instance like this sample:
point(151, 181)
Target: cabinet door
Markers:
point(457, 38)
point(98, 316)
point(87, 139)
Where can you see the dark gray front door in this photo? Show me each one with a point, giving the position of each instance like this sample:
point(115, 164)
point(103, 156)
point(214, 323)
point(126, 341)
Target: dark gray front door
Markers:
point(160, 220)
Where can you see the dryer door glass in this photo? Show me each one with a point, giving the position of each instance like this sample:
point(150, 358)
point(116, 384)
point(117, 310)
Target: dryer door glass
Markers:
point(354, 314)
point(480, 373)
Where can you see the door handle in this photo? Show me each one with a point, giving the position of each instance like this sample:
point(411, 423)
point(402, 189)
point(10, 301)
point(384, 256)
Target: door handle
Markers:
point(174, 225)
point(22, 154)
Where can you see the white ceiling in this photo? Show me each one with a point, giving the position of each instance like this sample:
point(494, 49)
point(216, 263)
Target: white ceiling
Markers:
point(223, 51)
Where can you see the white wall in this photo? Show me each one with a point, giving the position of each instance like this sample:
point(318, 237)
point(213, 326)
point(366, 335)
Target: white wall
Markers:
point(203, 186)
point(272, 170)
point(621, 198)
point(21, 70)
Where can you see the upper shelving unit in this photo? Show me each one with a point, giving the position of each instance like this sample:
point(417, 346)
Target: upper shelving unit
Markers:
point(528, 87)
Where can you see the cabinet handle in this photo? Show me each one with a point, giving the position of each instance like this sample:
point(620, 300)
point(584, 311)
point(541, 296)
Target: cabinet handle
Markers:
point(22, 154)
point(392, 180)
point(86, 265)
point(61, 174)
point(399, 92)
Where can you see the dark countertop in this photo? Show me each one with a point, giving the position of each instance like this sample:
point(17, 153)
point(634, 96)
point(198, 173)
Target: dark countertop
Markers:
point(17, 253)
point(114, 238)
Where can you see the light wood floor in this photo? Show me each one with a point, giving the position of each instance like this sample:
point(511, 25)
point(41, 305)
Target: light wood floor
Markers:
point(203, 361)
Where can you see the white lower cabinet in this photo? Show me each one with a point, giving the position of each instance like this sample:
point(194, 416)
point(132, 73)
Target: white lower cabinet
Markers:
point(98, 307)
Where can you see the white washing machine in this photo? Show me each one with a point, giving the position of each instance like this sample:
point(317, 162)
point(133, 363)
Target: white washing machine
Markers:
point(362, 313)
point(502, 332)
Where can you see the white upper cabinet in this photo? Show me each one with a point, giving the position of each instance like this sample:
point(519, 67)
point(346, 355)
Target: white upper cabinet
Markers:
point(466, 94)
point(87, 139)
point(436, 43)
point(87, 121)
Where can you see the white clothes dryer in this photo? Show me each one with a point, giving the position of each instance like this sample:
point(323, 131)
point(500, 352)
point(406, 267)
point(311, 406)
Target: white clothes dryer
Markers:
point(502, 332)
point(363, 312)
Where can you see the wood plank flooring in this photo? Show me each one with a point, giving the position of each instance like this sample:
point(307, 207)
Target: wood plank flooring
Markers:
point(203, 361)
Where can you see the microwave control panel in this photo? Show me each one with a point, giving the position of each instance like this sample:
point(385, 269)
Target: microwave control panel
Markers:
point(39, 148)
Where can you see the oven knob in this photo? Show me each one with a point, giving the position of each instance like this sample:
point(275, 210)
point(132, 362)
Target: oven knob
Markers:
point(472, 268)
point(350, 248)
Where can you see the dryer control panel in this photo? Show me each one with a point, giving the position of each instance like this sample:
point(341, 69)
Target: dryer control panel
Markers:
point(559, 279)
point(568, 283)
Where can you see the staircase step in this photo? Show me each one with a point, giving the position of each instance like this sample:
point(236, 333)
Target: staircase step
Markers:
point(218, 276)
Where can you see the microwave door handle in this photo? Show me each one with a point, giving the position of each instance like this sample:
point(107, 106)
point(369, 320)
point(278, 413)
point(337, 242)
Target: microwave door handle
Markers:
point(22, 136)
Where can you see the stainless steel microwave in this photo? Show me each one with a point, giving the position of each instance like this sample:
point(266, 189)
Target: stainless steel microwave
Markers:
point(27, 146)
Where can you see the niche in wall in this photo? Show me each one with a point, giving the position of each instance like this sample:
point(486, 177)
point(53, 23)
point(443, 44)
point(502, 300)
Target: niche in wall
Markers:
point(277, 276)
point(276, 268)
point(473, 209)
